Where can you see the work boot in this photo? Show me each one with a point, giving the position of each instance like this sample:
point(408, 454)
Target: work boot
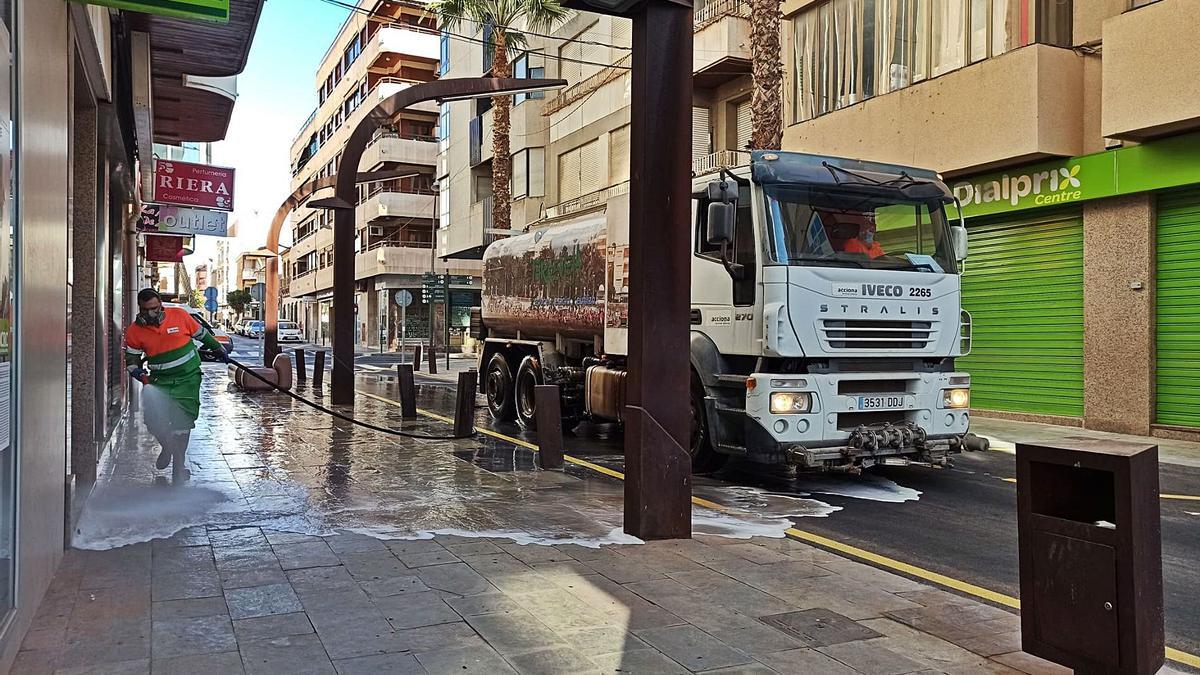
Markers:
point(164, 458)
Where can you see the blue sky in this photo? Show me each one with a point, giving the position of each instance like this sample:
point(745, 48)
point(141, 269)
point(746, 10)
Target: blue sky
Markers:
point(276, 93)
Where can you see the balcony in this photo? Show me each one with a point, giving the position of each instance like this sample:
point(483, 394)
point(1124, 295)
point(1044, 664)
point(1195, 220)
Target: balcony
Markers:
point(711, 163)
point(721, 46)
point(481, 138)
point(391, 44)
point(392, 149)
point(311, 282)
point(1151, 71)
point(1022, 106)
point(386, 205)
point(385, 88)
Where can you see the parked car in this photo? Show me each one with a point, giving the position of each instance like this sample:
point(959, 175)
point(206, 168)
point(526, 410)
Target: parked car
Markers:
point(221, 336)
point(254, 329)
point(288, 331)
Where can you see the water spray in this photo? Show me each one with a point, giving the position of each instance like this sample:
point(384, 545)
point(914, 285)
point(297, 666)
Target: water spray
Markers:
point(347, 418)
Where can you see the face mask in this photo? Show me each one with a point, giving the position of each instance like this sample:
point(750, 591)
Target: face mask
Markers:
point(151, 317)
point(869, 236)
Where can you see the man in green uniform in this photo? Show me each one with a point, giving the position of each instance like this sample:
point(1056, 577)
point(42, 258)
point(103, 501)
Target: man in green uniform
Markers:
point(163, 338)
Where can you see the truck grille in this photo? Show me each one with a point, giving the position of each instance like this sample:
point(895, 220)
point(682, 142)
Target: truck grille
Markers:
point(876, 334)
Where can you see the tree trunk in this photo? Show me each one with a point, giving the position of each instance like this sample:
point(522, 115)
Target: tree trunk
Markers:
point(766, 102)
point(501, 125)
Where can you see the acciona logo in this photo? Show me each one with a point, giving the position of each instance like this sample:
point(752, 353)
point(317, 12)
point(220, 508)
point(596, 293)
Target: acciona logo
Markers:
point(1053, 186)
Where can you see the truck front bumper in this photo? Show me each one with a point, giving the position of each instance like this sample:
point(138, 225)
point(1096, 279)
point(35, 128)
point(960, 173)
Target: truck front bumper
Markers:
point(855, 420)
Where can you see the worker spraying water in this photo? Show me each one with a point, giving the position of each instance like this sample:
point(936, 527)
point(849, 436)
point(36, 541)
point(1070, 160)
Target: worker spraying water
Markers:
point(162, 338)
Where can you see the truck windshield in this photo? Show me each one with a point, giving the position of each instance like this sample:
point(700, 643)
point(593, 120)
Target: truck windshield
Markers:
point(831, 228)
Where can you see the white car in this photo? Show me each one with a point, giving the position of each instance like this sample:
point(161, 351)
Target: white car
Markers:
point(288, 331)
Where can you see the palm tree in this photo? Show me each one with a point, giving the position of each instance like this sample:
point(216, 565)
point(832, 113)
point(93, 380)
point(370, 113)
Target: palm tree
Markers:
point(538, 16)
point(766, 100)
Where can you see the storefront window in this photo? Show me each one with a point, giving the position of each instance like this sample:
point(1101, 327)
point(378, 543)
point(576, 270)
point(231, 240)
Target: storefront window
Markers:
point(8, 493)
point(846, 51)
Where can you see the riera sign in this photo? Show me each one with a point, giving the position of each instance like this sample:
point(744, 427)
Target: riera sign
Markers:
point(187, 184)
point(182, 220)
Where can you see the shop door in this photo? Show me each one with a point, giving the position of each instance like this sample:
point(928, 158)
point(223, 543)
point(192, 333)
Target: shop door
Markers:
point(1177, 392)
point(1023, 285)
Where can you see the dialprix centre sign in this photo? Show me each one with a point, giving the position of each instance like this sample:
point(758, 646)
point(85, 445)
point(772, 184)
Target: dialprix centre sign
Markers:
point(202, 10)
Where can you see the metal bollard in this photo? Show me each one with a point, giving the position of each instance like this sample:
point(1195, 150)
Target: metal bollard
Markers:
point(318, 367)
point(549, 426)
point(301, 366)
point(418, 350)
point(408, 391)
point(464, 405)
point(432, 360)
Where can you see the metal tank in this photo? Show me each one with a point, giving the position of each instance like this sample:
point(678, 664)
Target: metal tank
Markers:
point(547, 283)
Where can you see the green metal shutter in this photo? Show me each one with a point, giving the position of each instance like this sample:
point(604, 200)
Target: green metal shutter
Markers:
point(1023, 285)
point(1177, 374)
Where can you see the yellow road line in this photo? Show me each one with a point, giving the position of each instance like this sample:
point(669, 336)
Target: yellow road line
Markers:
point(832, 544)
point(1185, 498)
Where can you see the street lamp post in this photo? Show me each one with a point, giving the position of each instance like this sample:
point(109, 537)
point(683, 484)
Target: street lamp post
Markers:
point(345, 200)
point(658, 468)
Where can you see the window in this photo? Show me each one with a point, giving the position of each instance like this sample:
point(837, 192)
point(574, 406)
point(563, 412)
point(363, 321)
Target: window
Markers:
point(744, 249)
point(528, 173)
point(579, 171)
point(846, 51)
point(353, 50)
point(618, 155)
point(443, 53)
point(528, 65)
point(444, 128)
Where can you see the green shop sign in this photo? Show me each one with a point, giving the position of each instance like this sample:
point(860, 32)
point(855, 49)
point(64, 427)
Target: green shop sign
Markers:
point(203, 10)
point(1152, 166)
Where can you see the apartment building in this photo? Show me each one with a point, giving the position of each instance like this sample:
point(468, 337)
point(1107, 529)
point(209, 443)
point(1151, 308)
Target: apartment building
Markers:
point(570, 148)
point(385, 47)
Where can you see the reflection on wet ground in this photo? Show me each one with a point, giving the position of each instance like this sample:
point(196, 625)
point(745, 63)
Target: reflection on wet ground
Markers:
point(266, 460)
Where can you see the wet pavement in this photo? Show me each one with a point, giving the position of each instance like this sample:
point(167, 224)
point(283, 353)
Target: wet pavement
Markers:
point(300, 545)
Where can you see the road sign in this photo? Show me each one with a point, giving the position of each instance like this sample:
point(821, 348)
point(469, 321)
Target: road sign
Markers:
point(461, 279)
point(437, 295)
point(211, 304)
point(257, 291)
point(210, 293)
point(430, 277)
point(403, 298)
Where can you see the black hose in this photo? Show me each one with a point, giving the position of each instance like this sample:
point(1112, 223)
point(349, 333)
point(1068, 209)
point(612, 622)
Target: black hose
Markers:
point(327, 411)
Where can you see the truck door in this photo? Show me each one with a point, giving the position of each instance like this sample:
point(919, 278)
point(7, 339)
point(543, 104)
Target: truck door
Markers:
point(723, 302)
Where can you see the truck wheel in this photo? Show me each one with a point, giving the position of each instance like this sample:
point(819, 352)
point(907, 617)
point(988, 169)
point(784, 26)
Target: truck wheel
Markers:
point(529, 375)
point(498, 387)
point(705, 459)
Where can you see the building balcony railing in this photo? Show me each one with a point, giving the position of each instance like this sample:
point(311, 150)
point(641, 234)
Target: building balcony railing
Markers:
point(587, 201)
point(387, 204)
point(716, 161)
point(391, 44)
point(408, 150)
point(721, 46)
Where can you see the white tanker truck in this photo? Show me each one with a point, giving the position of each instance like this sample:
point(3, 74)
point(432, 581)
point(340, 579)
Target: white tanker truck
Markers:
point(825, 316)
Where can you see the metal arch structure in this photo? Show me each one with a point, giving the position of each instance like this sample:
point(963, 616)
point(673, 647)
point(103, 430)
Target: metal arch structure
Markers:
point(345, 200)
point(271, 290)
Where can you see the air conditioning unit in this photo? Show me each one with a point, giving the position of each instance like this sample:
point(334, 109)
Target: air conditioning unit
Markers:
point(375, 230)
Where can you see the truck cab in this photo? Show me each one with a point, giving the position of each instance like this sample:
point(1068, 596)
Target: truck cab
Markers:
point(826, 315)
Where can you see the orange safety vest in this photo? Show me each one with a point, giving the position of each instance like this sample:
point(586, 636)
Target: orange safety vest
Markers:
point(168, 345)
point(859, 246)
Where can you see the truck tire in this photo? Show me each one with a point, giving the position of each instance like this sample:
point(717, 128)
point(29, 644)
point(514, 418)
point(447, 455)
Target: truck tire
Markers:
point(705, 459)
point(529, 375)
point(498, 387)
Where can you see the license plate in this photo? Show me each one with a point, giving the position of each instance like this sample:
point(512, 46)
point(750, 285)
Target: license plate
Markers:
point(880, 402)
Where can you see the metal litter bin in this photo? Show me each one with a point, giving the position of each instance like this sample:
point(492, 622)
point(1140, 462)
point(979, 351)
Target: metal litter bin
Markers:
point(1091, 555)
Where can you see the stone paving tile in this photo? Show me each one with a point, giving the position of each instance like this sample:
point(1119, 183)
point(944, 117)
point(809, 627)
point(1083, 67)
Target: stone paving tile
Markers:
point(754, 638)
point(806, 661)
point(36, 662)
point(294, 655)
point(246, 603)
point(456, 577)
point(486, 603)
point(992, 644)
point(473, 548)
point(441, 636)
point(638, 662)
point(474, 660)
point(347, 634)
point(748, 669)
point(374, 566)
point(196, 635)
point(230, 561)
point(819, 627)
point(726, 592)
point(134, 667)
point(513, 632)
point(553, 662)
point(624, 570)
point(693, 648)
point(354, 543)
point(391, 664)
point(183, 609)
point(1027, 663)
point(404, 585)
point(305, 554)
point(182, 560)
point(111, 642)
point(237, 537)
point(757, 554)
point(272, 626)
point(871, 659)
point(414, 560)
point(256, 577)
point(413, 610)
point(933, 651)
point(399, 546)
point(320, 578)
point(490, 565)
point(530, 554)
point(207, 664)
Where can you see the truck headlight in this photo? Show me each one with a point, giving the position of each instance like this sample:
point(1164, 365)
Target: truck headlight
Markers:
point(790, 402)
point(956, 398)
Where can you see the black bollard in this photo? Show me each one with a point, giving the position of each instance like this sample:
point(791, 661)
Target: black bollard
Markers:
point(549, 426)
point(432, 360)
point(408, 391)
point(464, 405)
point(417, 351)
point(301, 366)
point(318, 367)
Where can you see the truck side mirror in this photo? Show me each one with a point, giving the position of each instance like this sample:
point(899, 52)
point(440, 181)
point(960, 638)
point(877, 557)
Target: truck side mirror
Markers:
point(958, 238)
point(721, 218)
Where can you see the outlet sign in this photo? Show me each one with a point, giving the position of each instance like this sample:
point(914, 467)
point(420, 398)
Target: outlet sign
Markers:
point(168, 219)
point(1152, 166)
point(188, 184)
point(201, 10)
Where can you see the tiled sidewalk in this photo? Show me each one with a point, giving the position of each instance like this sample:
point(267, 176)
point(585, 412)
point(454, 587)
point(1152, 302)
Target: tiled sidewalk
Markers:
point(244, 600)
